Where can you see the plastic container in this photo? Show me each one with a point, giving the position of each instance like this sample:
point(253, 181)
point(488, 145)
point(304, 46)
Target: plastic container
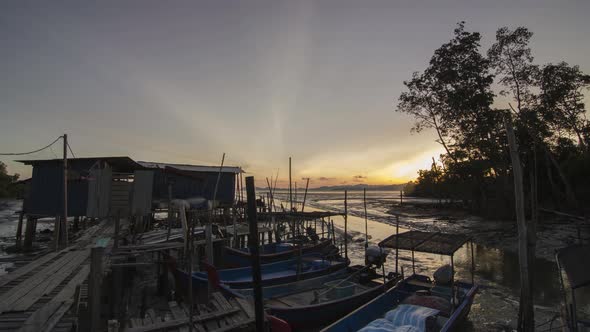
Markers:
point(341, 290)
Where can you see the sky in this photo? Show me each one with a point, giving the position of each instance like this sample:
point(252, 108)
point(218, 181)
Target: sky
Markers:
point(185, 81)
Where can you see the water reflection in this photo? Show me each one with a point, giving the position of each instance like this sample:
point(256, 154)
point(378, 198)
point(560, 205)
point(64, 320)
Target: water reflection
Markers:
point(497, 270)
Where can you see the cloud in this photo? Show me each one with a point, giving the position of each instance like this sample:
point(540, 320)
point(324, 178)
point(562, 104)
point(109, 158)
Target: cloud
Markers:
point(323, 178)
point(359, 178)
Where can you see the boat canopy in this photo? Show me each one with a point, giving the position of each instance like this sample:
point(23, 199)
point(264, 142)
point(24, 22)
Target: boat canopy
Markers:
point(430, 242)
point(574, 260)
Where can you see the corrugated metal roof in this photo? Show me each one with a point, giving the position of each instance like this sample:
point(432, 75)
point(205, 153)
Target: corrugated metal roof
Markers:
point(431, 242)
point(191, 168)
point(125, 164)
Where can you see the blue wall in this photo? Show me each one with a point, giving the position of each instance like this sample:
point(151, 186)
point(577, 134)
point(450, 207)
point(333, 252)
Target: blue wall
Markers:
point(46, 192)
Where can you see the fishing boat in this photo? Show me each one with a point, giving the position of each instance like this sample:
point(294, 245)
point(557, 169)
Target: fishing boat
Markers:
point(573, 261)
point(417, 303)
point(316, 302)
point(274, 252)
point(303, 267)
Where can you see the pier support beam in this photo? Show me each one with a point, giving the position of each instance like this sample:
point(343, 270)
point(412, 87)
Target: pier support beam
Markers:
point(94, 288)
point(30, 230)
point(19, 231)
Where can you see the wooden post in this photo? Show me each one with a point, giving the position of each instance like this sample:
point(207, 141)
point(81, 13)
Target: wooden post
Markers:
point(366, 222)
point(401, 197)
point(189, 254)
point(526, 321)
point(254, 250)
point(94, 288)
point(305, 195)
point(346, 224)
point(30, 229)
point(169, 211)
point(56, 232)
point(234, 218)
point(396, 243)
point(333, 232)
point(290, 193)
point(65, 212)
point(472, 263)
point(117, 225)
point(19, 231)
point(209, 242)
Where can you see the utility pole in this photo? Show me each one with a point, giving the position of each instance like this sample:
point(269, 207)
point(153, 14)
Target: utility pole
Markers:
point(65, 214)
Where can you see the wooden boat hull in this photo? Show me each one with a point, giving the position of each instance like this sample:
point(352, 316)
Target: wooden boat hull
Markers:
point(278, 290)
point(319, 315)
point(234, 258)
point(379, 306)
point(275, 273)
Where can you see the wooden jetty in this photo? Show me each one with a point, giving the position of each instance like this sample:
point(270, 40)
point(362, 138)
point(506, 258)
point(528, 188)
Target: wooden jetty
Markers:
point(37, 296)
point(72, 290)
point(218, 315)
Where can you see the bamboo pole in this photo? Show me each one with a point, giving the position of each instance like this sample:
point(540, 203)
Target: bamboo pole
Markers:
point(346, 224)
point(396, 243)
point(366, 221)
point(526, 321)
point(305, 195)
point(290, 189)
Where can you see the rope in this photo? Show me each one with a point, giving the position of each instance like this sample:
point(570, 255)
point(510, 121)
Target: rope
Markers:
point(72, 152)
point(30, 152)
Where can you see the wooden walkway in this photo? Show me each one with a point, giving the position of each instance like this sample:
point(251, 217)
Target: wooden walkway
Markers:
point(36, 296)
point(219, 315)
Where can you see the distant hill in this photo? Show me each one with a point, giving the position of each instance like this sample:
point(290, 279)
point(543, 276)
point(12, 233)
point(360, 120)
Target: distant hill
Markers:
point(363, 186)
point(351, 187)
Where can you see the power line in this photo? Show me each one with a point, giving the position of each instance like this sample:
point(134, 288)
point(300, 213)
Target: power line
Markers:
point(30, 152)
point(53, 152)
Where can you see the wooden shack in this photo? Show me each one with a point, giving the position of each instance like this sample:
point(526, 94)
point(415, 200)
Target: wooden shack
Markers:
point(96, 186)
point(193, 181)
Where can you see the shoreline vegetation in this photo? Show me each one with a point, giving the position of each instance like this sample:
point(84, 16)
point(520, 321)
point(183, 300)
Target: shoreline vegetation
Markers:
point(468, 96)
point(9, 186)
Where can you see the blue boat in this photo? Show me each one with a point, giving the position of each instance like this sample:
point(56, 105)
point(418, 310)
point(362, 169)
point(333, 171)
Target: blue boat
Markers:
point(326, 302)
point(273, 252)
point(301, 268)
point(417, 301)
point(287, 288)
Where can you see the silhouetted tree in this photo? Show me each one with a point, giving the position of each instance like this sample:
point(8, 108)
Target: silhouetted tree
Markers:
point(7, 188)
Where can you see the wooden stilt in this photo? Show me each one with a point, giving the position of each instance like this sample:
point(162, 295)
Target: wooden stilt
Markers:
point(19, 231)
point(30, 230)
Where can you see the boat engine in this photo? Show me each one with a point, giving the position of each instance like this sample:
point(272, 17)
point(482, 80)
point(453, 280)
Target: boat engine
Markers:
point(375, 256)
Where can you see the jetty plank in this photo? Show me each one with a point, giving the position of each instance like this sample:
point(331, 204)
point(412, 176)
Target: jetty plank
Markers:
point(178, 314)
point(50, 283)
point(26, 269)
point(38, 319)
point(16, 293)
